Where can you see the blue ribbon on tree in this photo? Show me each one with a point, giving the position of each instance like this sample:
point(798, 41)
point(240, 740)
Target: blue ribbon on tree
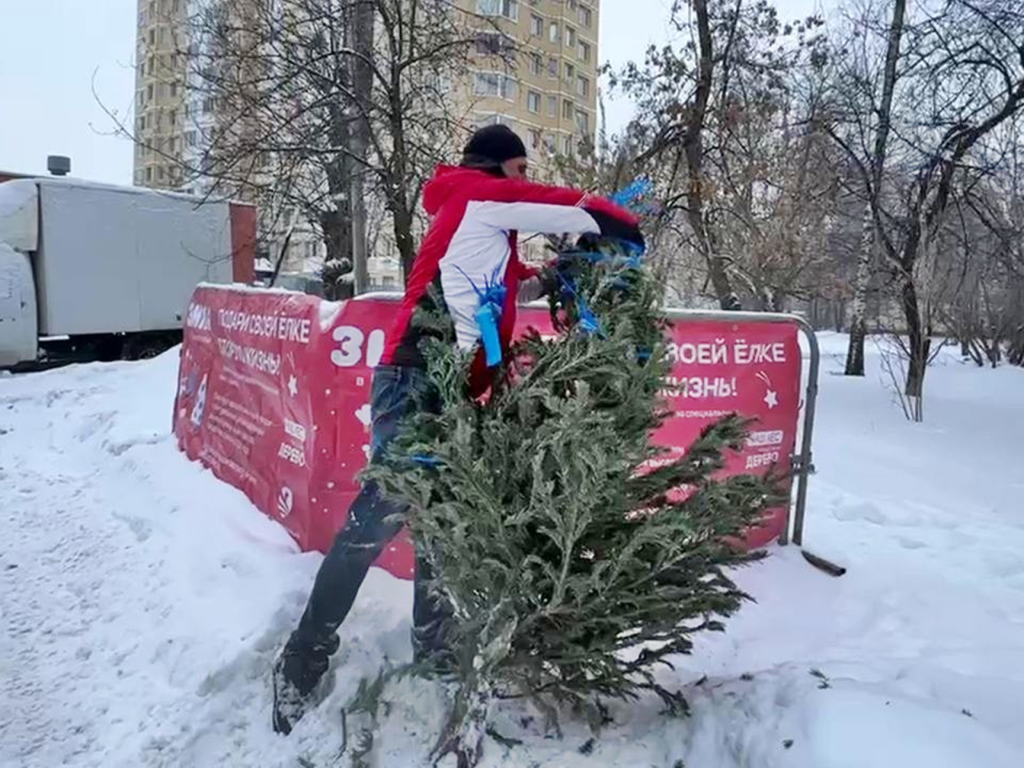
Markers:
point(429, 461)
point(629, 194)
point(488, 314)
point(588, 322)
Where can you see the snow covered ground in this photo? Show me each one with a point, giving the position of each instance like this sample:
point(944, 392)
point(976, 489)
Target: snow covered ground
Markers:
point(141, 601)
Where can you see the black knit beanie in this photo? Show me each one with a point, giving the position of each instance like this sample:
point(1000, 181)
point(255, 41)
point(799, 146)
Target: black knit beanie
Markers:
point(493, 144)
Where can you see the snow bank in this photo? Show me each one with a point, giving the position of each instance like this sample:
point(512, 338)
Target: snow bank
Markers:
point(142, 601)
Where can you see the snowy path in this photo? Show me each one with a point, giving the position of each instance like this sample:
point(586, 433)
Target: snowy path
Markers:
point(141, 601)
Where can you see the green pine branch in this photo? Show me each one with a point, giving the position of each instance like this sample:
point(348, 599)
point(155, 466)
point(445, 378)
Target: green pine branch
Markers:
point(573, 571)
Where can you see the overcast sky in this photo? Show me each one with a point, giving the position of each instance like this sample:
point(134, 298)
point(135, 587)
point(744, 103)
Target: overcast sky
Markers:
point(55, 53)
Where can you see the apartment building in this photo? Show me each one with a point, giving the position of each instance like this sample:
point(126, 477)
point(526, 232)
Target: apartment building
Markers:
point(534, 68)
point(548, 94)
point(160, 95)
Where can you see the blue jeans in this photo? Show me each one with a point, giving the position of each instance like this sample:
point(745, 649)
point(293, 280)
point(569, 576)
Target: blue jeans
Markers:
point(373, 521)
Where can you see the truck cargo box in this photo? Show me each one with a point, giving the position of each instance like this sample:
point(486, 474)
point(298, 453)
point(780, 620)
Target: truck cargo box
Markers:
point(112, 260)
point(109, 265)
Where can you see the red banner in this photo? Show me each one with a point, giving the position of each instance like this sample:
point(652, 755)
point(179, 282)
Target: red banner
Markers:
point(274, 389)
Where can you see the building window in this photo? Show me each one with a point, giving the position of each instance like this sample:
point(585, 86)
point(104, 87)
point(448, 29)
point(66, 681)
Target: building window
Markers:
point(493, 44)
point(583, 121)
point(174, 89)
point(507, 8)
point(553, 32)
point(152, 37)
point(549, 144)
point(142, 123)
point(536, 26)
point(570, 72)
point(533, 102)
point(160, 173)
point(568, 109)
point(552, 106)
point(553, 68)
point(496, 120)
point(149, 92)
point(536, 64)
point(582, 86)
point(567, 145)
point(584, 51)
point(585, 16)
point(535, 138)
point(149, 174)
point(570, 37)
point(494, 84)
point(173, 117)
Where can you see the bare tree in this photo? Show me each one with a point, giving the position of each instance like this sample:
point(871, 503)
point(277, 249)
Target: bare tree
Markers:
point(865, 101)
point(964, 77)
point(325, 102)
point(978, 256)
point(707, 109)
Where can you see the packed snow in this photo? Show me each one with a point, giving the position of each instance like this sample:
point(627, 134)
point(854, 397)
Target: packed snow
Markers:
point(142, 601)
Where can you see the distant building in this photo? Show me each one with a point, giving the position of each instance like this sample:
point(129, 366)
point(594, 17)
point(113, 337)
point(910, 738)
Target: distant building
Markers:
point(548, 96)
point(160, 95)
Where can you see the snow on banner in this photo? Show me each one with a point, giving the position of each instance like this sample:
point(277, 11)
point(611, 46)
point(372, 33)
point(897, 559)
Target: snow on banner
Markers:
point(274, 389)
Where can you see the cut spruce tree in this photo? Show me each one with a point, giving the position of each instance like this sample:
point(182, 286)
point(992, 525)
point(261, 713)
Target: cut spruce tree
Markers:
point(574, 557)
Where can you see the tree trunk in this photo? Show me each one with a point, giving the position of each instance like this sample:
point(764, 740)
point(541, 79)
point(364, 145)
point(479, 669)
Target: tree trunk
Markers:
point(919, 347)
point(693, 144)
point(337, 232)
point(727, 298)
point(814, 313)
point(360, 30)
point(858, 309)
point(402, 219)
point(840, 315)
point(464, 733)
point(1015, 354)
point(858, 322)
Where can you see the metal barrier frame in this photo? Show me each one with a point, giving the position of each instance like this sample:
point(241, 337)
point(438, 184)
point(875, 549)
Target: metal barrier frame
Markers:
point(802, 462)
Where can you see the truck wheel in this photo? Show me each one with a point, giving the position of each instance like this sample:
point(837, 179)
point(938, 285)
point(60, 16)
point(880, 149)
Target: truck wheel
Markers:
point(109, 349)
point(147, 347)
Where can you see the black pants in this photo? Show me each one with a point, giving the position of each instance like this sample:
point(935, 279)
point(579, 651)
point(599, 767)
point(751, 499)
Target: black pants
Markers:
point(396, 392)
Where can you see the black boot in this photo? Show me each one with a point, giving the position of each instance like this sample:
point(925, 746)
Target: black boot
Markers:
point(295, 676)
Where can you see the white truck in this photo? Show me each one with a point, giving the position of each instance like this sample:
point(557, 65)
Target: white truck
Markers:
point(93, 271)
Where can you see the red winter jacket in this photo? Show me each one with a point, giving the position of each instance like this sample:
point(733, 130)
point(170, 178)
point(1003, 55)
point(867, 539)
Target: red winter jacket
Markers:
point(472, 238)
